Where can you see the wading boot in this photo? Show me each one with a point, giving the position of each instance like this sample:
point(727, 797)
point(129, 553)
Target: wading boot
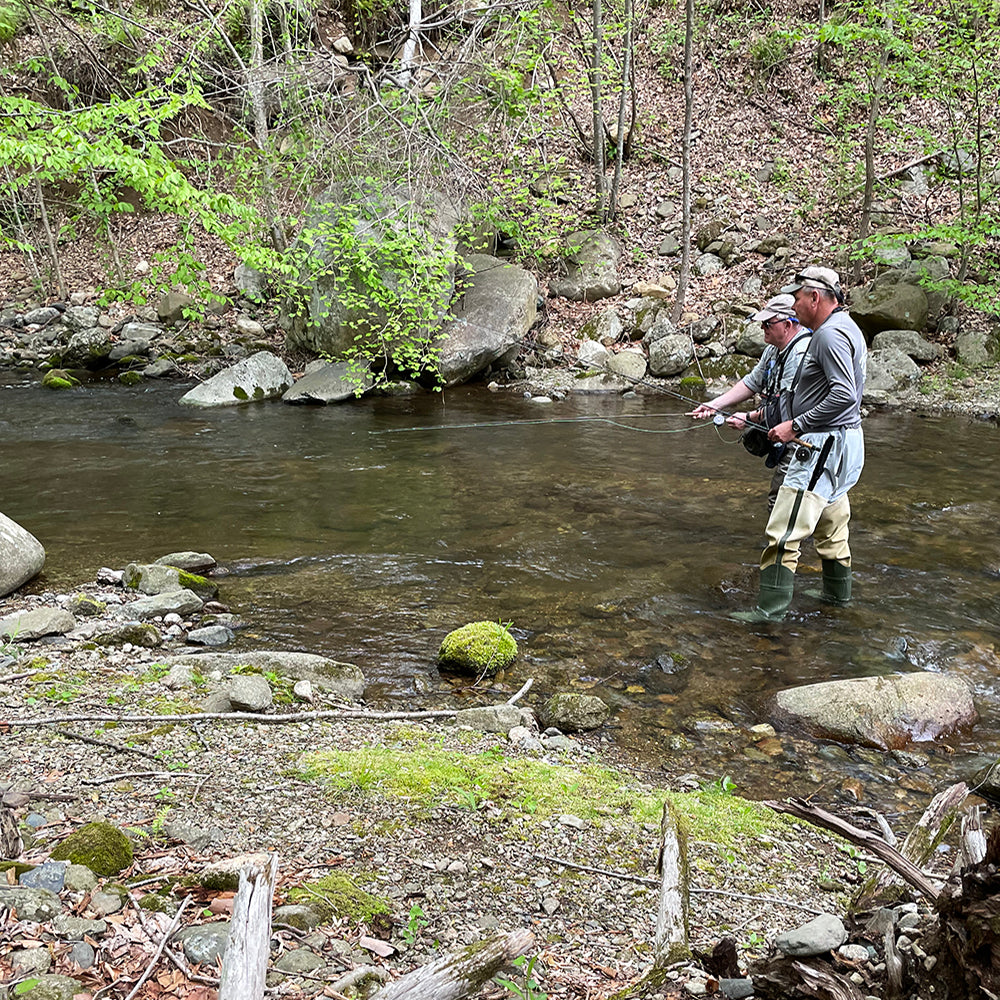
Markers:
point(836, 583)
point(777, 584)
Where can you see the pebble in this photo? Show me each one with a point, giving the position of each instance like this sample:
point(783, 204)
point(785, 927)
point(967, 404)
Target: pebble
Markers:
point(83, 954)
point(550, 904)
point(853, 952)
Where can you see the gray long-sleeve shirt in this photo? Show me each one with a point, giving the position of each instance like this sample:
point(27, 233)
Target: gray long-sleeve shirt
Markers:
point(832, 380)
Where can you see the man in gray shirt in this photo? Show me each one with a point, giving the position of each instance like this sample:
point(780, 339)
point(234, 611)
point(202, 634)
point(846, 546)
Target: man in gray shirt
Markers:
point(826, 413)
point(772, 378)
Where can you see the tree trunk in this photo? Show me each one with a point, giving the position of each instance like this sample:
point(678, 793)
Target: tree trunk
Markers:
point(408, 57)
point(620, 138)
point(460, 974)
point(600, 182)
point(244, 967)
point(682, 281)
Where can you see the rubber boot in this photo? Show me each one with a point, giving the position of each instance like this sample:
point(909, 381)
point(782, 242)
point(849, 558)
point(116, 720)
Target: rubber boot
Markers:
point(836, 583)
point(777, 583)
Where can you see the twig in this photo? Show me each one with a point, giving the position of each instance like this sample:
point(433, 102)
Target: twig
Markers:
point(140, 774)
point(117, 747)
point(175, 958)
point(625, 876)
point(18, 677)
point(122, 720)
point(159, 951)
point(524, 690)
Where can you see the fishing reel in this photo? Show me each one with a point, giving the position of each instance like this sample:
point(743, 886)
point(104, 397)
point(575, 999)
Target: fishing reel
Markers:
point(802, 453)
point(719, 419)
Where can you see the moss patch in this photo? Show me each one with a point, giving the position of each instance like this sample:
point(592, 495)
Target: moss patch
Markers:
point(339, 896)
point(103, 848)
point(478, 648)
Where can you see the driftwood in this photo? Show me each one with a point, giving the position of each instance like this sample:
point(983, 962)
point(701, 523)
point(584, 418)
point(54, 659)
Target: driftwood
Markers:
point(244, 966)
point(671, 938)
point(460, 974)
point(863, 838)
point(882, 888)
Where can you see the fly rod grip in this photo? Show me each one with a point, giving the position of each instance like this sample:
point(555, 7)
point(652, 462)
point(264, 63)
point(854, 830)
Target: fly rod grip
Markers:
point(803, 444)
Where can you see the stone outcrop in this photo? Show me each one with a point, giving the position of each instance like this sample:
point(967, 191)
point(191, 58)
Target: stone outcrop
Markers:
point(592, 265)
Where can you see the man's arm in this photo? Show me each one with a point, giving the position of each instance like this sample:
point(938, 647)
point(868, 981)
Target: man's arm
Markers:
point(739, 393)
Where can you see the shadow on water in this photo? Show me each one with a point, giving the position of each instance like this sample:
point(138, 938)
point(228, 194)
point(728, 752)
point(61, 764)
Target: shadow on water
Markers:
point(617, 552)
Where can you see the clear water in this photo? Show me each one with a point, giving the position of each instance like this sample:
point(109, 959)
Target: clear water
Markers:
point(612, 551)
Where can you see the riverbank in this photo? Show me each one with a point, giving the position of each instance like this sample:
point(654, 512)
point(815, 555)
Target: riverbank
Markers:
point(420, 835)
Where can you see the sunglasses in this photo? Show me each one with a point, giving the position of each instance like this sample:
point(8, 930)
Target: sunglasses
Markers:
point(776, 319)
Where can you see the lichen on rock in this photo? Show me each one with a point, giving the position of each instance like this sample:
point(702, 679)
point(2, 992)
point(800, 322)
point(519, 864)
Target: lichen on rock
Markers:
point(478, 648)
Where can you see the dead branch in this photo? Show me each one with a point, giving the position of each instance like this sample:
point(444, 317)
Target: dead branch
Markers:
point(462, 973)
point(109, 744)
point(159, 950)
point(244, 965)
point(863, 838)
point(671, 938)
point(125, 775)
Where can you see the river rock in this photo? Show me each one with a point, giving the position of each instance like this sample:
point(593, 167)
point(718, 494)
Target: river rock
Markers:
point(193, 562)
point(31, 962)
point(261, 376)
point(49, 875)
point(670, 355)
point(300, 960)
point(817, 937)
point(53, 988)
point(205, 943)
point(606, 328)
point(593, 354)
point(490, 718)
point(78, 318)
point(706, 264)
point(75, 928)
point(224, 875)
point(298, 915)
point(750, 340)
point(908, 341)
point(142, 634)
point(630, 364)
point(884, 712)
point(211, 635)
point(592, 264)
point(180, 602)
point(342, 680)
point(21, 555)
point(573, 712)
point(495, 310)
point(26, 625)
point(329, 382)
point(250, 693)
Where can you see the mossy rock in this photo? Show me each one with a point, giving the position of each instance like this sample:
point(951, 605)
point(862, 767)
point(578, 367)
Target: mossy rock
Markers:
point(338, 895)
point(200, 585)
point(59, 378)
point(143, 634)
point(479, 648)
point(130, 378)
point(47, 987)
point(728, 368)
point(103, 848)
point(85, 606)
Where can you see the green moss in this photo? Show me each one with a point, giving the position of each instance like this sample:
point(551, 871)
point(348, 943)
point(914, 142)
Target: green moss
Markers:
point(103, 848)
point(59, 378)
point(240, 393)
point(201, 586)
point(478, 648)
point(337, 895)
point(692, 382)
point(18, 867)
point(130, 378)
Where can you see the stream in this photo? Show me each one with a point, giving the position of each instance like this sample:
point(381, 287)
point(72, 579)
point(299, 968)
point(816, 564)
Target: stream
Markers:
point(614, 534)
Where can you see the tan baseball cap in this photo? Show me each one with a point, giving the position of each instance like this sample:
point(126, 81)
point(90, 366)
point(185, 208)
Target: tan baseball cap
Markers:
point(780, 307)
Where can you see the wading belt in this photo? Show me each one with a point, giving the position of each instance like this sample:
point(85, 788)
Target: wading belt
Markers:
point(824, 454)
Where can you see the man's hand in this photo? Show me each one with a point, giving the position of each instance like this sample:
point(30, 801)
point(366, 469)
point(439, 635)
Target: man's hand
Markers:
point(702, 411)
point(781, 432)
point(738, 420)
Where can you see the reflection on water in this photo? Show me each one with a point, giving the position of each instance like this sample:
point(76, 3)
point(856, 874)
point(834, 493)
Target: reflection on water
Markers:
point(616, 553)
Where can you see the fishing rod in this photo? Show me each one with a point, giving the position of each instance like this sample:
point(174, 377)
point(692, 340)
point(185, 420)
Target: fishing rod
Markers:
point(720, 415)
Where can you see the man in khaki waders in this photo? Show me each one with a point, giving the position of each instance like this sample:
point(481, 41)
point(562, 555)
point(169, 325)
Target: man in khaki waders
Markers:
point(826, 413)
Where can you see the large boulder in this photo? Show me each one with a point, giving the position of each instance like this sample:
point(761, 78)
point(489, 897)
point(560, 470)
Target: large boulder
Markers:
point(592, 267)
point(261, 376)
point(894, 301)
point(885, 712)
point(889, 368)
point(492, 315)
point(368, 288)
point(670, 355)
point(21, 555)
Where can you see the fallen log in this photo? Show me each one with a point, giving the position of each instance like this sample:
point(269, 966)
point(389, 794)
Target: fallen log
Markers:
point(460, 974)
point(671, 939)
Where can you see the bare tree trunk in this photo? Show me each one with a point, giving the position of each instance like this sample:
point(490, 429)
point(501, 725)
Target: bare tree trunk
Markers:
point(27, 246)
point(877, 85)
point(408, 57)
point(682, 281)
point(600, 182)
point(255, 84)
point(49, 238)
point(244, 966)
point(620, 138)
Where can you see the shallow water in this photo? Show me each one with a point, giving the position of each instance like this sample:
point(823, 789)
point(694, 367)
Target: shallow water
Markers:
point(614, 551)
